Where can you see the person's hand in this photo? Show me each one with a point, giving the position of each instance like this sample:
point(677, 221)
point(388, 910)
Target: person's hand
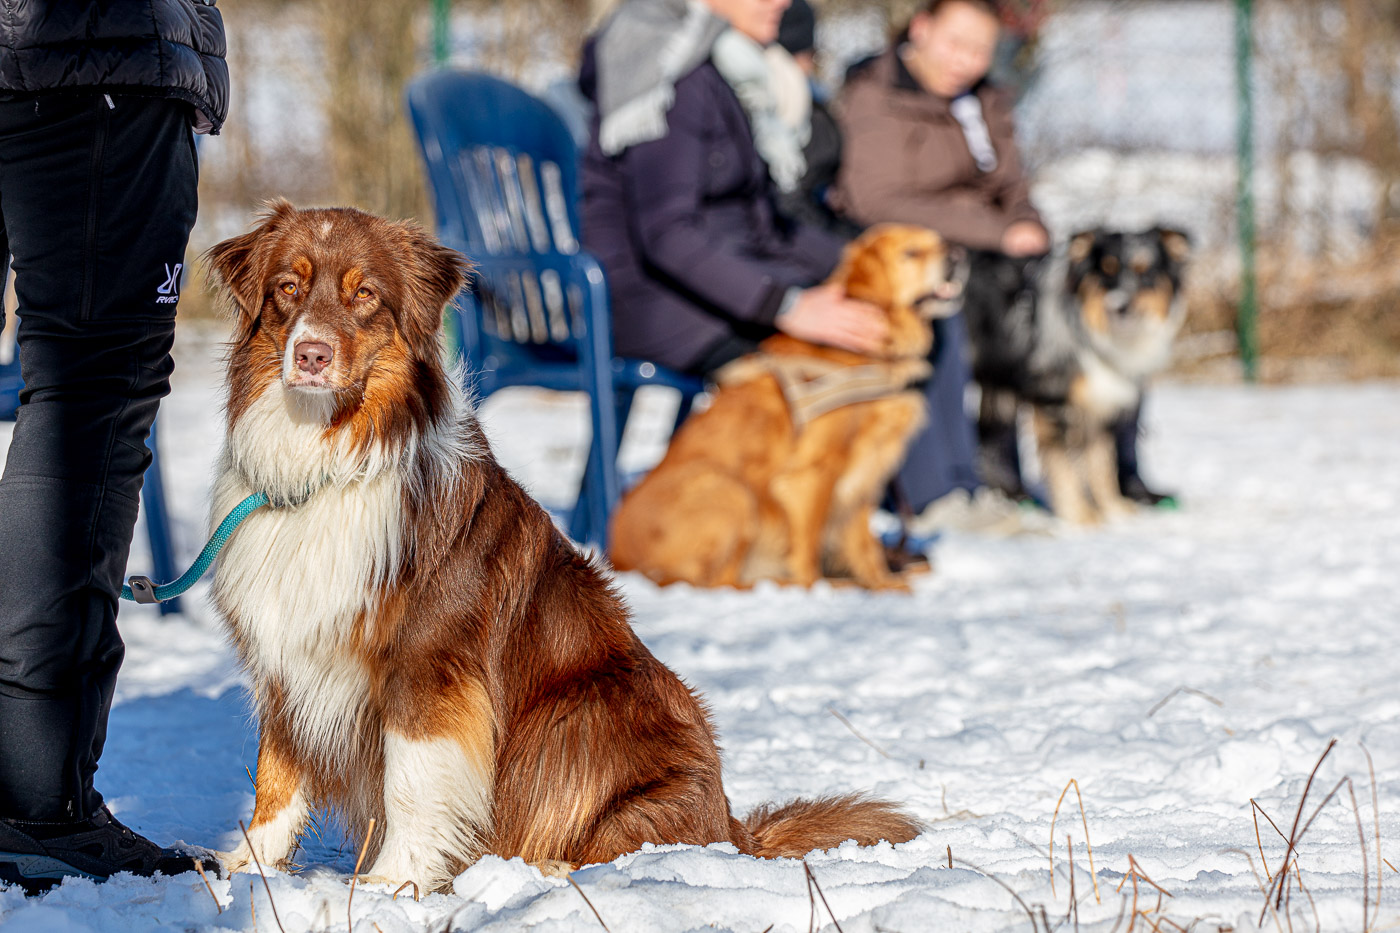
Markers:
point(825, 315)
point(1025, 238)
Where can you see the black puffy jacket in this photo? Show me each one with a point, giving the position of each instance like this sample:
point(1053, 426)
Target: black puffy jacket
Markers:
point(166, 48)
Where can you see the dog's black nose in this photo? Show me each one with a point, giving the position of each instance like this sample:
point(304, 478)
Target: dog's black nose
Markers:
point(313, 356)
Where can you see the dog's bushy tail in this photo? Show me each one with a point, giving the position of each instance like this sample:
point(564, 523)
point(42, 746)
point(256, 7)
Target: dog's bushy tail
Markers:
point(794, 829)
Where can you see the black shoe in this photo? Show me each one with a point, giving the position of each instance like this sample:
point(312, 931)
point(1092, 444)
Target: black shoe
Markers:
point(901, 558)
point(1135, 489)
point(38, 855)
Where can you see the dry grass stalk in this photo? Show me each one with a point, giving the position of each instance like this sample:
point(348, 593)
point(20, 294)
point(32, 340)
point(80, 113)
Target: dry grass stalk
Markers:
point(1298, 875)
point(263, 875)
point(199, 867)
point(847, 723)
point(1365, 865)
point(1008, 889)
point(812, 883)
point(1177, 692)
point(1390, 866)
point(369, 833)
point(1136, 873)
point(1073, 901)
point(570, 879)
point(399, 890)
point(252, 906)
point(1376, 828)
point(1293, 835)
point(1089, 845)
point(1280, 880)
point(1257, 811)
point(1259, 882)
point(950, 856)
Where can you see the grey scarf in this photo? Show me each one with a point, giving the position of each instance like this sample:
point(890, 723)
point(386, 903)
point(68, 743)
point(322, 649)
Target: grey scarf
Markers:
point(646, 46)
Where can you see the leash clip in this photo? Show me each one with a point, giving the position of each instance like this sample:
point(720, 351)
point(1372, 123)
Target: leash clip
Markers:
point(143, 590)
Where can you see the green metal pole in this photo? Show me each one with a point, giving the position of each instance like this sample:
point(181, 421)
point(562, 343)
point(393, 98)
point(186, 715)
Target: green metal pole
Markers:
point(1245, 319)
point(441, 27)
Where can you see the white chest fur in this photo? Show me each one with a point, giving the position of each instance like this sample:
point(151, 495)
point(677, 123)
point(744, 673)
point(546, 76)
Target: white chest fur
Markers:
point(1108, 393)
point(293, 580)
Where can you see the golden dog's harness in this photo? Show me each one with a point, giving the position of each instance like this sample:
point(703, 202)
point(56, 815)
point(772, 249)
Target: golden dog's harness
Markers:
point(812, 386)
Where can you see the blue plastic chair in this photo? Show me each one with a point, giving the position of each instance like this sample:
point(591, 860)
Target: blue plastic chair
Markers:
point(152, 490)
point(503, 170)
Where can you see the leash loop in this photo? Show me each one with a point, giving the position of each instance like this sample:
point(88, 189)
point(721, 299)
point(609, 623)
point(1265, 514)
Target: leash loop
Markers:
point(143, 590)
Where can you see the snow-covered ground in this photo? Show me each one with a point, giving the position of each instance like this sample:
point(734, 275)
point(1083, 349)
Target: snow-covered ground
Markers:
point(1175, 666)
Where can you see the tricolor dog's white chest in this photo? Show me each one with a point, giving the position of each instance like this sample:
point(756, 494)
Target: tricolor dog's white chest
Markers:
point(1107, 392)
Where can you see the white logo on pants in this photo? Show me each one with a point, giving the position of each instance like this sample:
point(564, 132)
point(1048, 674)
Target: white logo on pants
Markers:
point(170, 291)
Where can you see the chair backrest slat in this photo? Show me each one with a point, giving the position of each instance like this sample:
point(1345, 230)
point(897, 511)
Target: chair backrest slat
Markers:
point(557, 206)
point(509, 179)
point(534, 210)
point(554, 306)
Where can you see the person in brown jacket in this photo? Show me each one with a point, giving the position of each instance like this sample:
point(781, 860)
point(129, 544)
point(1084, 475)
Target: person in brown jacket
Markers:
point(928, 140)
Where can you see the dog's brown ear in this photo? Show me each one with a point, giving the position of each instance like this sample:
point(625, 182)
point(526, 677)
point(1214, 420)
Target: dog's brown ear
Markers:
point(435, 275)
point(1081, 244)
point(867, 276)
point(1176, 243)
point(238, 265)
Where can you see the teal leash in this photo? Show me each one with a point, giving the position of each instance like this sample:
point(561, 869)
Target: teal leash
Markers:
point(142, 590)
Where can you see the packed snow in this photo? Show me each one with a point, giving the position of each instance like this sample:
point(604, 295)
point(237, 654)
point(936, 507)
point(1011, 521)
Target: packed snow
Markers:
point(1175, 666)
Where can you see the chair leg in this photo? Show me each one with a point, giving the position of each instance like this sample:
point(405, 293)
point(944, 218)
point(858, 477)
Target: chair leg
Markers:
point(622, 402)
point(579, 518)
point(683, 411)
point(158, 522)
point(598, 492)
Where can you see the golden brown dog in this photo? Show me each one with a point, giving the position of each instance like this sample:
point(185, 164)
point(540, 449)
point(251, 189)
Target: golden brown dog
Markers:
point(426, 651)
point(770, 482)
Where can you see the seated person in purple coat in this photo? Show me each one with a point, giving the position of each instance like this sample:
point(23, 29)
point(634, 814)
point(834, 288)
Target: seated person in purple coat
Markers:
point(680, 179)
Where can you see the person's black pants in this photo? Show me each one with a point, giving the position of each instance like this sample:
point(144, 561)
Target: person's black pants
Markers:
point(97, 198)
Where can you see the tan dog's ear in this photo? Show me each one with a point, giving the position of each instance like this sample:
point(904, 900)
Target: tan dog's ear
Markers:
point(867, 276)
point(238, 262)
point(1176, 243)
point(435, 275)
point(1080, 244)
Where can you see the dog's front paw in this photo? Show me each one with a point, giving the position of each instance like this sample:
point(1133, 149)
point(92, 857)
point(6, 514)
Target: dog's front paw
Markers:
point(240, 859)
point(553, 868)
point(1115, 509)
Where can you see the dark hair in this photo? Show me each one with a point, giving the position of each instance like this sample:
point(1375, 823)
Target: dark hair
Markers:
point(989, 6)
point(798, 31)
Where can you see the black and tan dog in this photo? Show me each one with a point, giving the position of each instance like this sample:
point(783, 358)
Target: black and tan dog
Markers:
point(1076, 337)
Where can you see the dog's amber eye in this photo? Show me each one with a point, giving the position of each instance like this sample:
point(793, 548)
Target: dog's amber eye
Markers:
point(289, 288)
point(363, 294)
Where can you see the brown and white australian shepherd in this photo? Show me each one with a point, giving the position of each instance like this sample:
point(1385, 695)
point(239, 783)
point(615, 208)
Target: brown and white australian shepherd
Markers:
point(425, 649)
